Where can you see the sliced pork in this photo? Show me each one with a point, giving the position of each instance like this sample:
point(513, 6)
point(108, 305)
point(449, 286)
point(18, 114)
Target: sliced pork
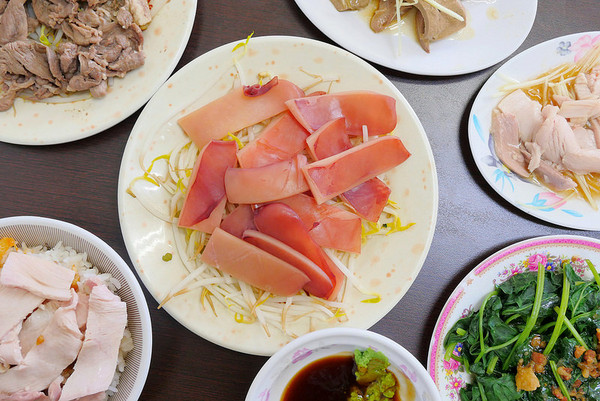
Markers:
point(581, 109)
point(53, 13)
point(41, 277)
point(106, 322)
point(59, 345)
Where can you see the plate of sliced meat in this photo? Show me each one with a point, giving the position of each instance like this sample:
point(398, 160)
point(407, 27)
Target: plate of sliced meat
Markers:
point(69, 70)
point(534, 131)
point(434, 37)
point(293, 189)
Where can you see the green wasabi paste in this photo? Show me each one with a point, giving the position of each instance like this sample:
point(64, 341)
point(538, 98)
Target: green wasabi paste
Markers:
point(376, 383)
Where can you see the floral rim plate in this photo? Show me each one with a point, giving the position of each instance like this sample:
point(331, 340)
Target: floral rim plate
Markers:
point(494, 30)
point(390, 263)
point(471, 291)
point(42, 123)
point(531, 198)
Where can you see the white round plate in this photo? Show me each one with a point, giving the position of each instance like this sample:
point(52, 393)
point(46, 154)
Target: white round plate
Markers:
point(387, 265)
point(496, 269)
point(45, 123)
point(494, 30)
point(534, 199)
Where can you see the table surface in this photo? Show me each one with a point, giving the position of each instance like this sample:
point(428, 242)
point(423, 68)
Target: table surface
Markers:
point(77, 182)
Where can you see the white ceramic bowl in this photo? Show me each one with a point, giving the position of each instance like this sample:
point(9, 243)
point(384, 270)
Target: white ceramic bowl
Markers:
point(43, 231)
point(277, 372)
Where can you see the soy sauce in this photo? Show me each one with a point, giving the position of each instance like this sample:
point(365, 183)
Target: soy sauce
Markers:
point(326, 379)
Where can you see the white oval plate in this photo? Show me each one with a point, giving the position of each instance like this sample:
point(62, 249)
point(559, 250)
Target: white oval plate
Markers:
point(388, 265)
point(534, 199)
point(471, 291)
point(42, 123)
point(494, 30)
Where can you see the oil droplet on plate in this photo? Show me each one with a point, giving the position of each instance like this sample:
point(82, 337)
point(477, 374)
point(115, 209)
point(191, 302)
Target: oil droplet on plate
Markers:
point(492, 13)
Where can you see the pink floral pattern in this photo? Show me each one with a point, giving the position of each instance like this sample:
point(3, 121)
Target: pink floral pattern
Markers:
point(454, 381)
point(583, 44)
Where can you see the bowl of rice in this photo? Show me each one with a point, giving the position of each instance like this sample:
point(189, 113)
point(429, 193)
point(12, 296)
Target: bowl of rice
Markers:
point(93, 264)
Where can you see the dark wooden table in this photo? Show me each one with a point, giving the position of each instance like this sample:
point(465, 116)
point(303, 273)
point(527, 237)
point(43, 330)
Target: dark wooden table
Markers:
point(77, 182)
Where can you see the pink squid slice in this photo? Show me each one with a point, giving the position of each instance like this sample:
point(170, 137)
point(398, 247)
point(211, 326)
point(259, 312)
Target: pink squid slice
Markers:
point(282, 223)
point(320, 285)
point(329, 225)
point(239, 220)
point(234, 111)
point(376, 111)
point(205, 199)
point(267, 183)
point(334, 175)
point(252, 265)
point(367, 199)
point(282, 139)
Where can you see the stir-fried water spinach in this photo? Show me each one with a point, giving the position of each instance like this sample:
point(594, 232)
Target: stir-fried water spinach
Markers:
point(535, 337)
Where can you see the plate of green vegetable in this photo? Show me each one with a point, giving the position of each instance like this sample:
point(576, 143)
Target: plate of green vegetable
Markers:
point(523, 325)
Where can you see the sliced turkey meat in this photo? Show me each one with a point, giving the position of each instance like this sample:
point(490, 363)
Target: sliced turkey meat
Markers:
point(97, 359)
point(59, 345)
point(41, 277)
point(22, 304)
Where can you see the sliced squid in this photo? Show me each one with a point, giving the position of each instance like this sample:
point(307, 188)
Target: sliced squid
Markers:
point(235, 110)
point(205, 198)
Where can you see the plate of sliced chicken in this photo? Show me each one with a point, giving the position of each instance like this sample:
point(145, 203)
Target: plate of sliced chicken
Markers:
point(434, 37)
point(534, 131)
point(71, 69)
